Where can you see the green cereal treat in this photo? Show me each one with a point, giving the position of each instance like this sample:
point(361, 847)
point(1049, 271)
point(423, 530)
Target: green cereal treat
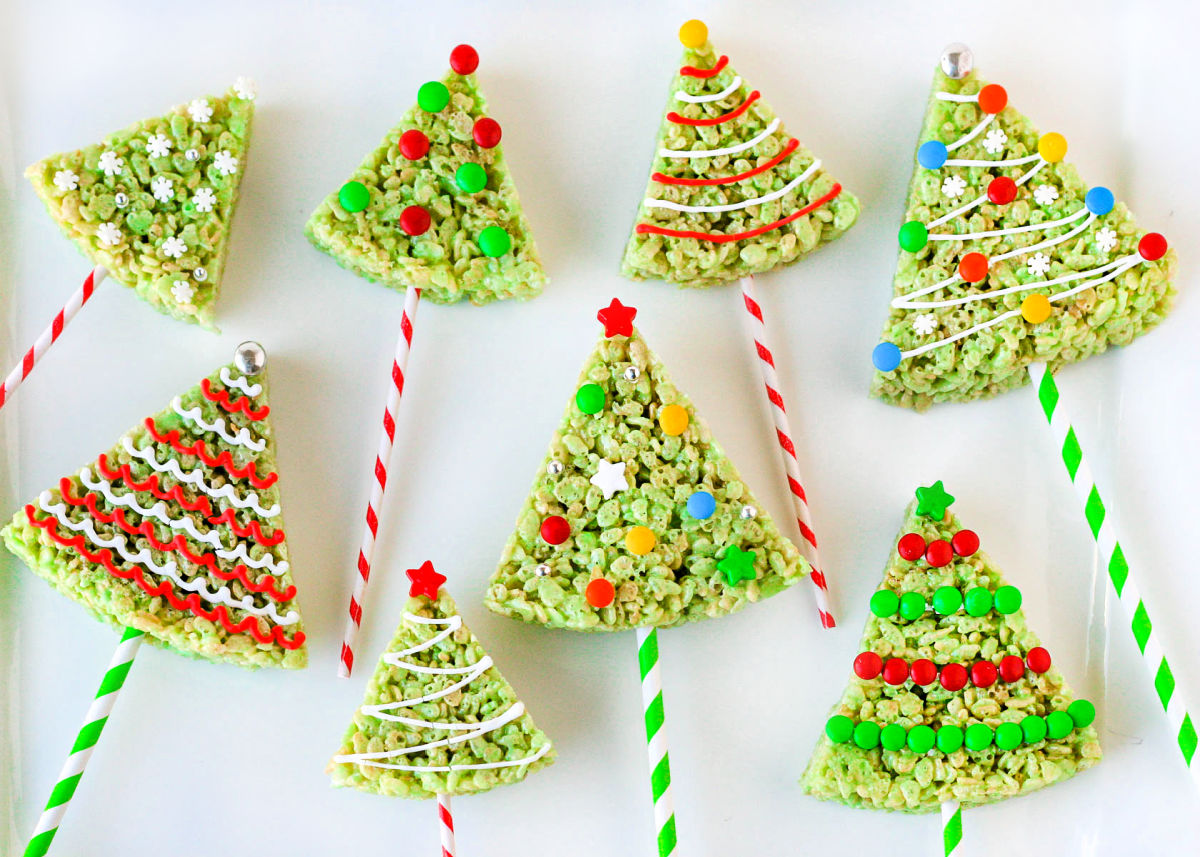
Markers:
point(177, 530)
point(636, 517)
point(984, 713)
point(731, 193)
point(437, 717)
point(435, 206)
point(153, 203)
point(1007, 257)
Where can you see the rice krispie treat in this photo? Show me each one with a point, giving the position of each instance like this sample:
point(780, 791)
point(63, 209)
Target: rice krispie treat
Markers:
point(1006, 256)
point(953, 698)
point(438, 718)
point(435, 205)
point(731, 193)
point(177, 530)
point(153, 203)
point(637, 518)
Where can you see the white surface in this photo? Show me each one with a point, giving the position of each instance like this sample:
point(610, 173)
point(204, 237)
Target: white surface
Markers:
point(580, 92)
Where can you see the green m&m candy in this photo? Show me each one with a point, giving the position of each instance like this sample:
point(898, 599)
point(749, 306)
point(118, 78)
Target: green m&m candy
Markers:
point(921, 739)
point(913, 236)
point(1008, 600)
point(947, 600)
point(471, 177)
point(1059, 725)
point(1033, 728)
point(885, 603)
point(866, 735)
point(433, 97)
point(1082, 713)
point(839, 728)
point(949, 738)
point(978, 601)
point(354, 196)
point(979, 736)
point(590, 398)
point(893, 736)
point(494, 241)
point(1009, 736)
point(912, 606)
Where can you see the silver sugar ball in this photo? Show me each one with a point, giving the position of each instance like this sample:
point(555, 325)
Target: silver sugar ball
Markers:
point(555, 467)
point(541, 570)
point(748, 512)
point(192, 154)
point(957, 61)
point(121, 200)
point(201, 274)
point(632, 373)
point(250, 358)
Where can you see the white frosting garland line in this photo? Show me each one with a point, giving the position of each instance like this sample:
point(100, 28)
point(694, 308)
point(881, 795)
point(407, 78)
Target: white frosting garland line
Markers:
point(954, 96)
point(1011, 162)
point(169, 569)
point(477, 731)
point(453, 624)
point(195, 477)
point(984, 198)
point(196, 416)
point(378, 711)
point(728, 150)
point(972, 134)
point(1014, 230)
point(1049, 242)
point(482, 766)
point(239, 383)
point(734, 206)
point(716, 96)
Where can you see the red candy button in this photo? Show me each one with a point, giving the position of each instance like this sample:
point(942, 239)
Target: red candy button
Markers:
point(973, 267)
point(599, 593)
point(1002, 190)
point(1012, 668)
point(953, 676)
point(1038, 660)
point(965, 542)
point(895, 671)
point(939, 553)
point(486, 132)
point(868, 665)
point(1152, 246)
point(415, 220)
point(413, 144)
point(555, 530)
point(464, 59)
point(993, 98)
point(924, 672)
point(911, 546)
point(983, 673)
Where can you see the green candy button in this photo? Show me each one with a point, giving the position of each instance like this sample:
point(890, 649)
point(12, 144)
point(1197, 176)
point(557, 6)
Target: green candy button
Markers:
point(494, 241)
point(471, 177)
point(885, 603)
point(921, 739)
point(947, 600)
point(354, 196)
point(913, 236)
point(1009, 736)
point(1059, 724)
point(866, 735)
point(839, 728)
point(590, 398)
point(893, 737)
point(979, 736)
point(1082, 713)
point(1033, 728)
point(1008, 600)
point(978, 601)
point(912, 606)
point(949, 738)
point(433, 96)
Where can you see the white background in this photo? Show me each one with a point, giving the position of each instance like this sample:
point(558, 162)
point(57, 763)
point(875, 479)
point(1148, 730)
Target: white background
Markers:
point(200, 754)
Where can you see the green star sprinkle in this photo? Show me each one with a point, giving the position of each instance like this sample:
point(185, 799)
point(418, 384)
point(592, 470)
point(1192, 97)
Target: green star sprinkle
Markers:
point(933, 501)
point(737, 565)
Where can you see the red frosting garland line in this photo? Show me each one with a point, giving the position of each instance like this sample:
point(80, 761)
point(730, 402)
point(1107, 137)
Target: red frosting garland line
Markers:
point(199, 450)
point(650, 228)
point(254, 531)
point(663, 178)
point(191, 603)
point(705, 73)
point(242, 404)
point(679, 119)
point(200, 504)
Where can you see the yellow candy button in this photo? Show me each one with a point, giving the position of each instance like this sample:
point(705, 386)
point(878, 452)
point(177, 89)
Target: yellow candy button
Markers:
point(1035, 309)
point(673, 419)
point(1052, 147)
point(693, 34)
point(640, 541)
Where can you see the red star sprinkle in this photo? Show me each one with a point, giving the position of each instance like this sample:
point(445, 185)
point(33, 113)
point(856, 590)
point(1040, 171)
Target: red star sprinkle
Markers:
point(617, 319)
point(425, 581)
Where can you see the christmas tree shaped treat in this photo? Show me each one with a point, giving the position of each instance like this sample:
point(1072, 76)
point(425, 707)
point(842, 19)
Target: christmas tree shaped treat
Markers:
point(438, 718)
point(954, 700)
point(1006, 256)
point(731, 193)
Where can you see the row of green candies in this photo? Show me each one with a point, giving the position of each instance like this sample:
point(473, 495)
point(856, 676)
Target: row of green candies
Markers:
point(947, 600)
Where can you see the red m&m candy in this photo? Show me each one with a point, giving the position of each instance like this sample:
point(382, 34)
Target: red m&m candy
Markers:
point(993, 98)
point(415, 220)
point(464, 59)
point(965, 542)
point(953, 677)
point(983, 673)
point(414, 144)
point(486, 132)
point(1152, 247)
point(1012, 668)
point(868, 665)
point(939, 553)
point(924, 672)
point(973, 267)
point(599, 593)
point(911, 546)
point(1038, 659)
point(555, 530)
point(895, 671)
point(1002, 190)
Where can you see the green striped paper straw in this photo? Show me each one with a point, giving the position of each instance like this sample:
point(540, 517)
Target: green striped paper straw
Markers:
point(1118, 568)
point(85, 742)
point(656, 740)
point(951, 827)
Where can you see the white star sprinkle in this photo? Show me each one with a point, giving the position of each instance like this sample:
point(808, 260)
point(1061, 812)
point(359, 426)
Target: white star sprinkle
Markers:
point(1106, 239)
point(1039, 264)
point(954, 186)
point(923, 325)
point(995, 141)
point(610, 478)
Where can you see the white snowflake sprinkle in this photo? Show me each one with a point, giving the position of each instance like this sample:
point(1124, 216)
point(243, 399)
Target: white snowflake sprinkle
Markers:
point(995, 141)
point(245, 88)
point(225, 163)
point(199, 110)
point(174, 247)
point(204, 200)
point(158, 146)
point(162, 188)
point(182, 291)
point(1106, 239)
point(108, 234)
point(111, 164)
point(66, 180)
point(923, 325)
point(1045, 194)
point(954, 186)
point(1038, 264)
point(610, 478)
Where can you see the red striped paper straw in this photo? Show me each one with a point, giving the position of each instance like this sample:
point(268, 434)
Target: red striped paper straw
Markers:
point(446, 825)
point(412, 296)
point(51, 334)
point(787, 450)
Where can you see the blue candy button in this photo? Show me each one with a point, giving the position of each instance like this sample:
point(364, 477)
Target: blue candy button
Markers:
point(886, 356)
point(1099, 201)
point(932, 155)
point(701, 505)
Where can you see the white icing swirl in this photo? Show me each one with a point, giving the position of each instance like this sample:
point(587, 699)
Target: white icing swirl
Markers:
point(196, 416)
point(972, 134)
point(195, 477)
point(239, 383)
point(728, 150)
point(716, 96)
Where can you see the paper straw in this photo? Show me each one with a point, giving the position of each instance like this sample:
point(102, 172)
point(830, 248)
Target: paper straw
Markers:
point(951, 827)
point(412, 296)
point(85, 742)
point(50, 335)
point(656, 740)
point(787, 450)
point(446, 825)
point(1119, 573)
